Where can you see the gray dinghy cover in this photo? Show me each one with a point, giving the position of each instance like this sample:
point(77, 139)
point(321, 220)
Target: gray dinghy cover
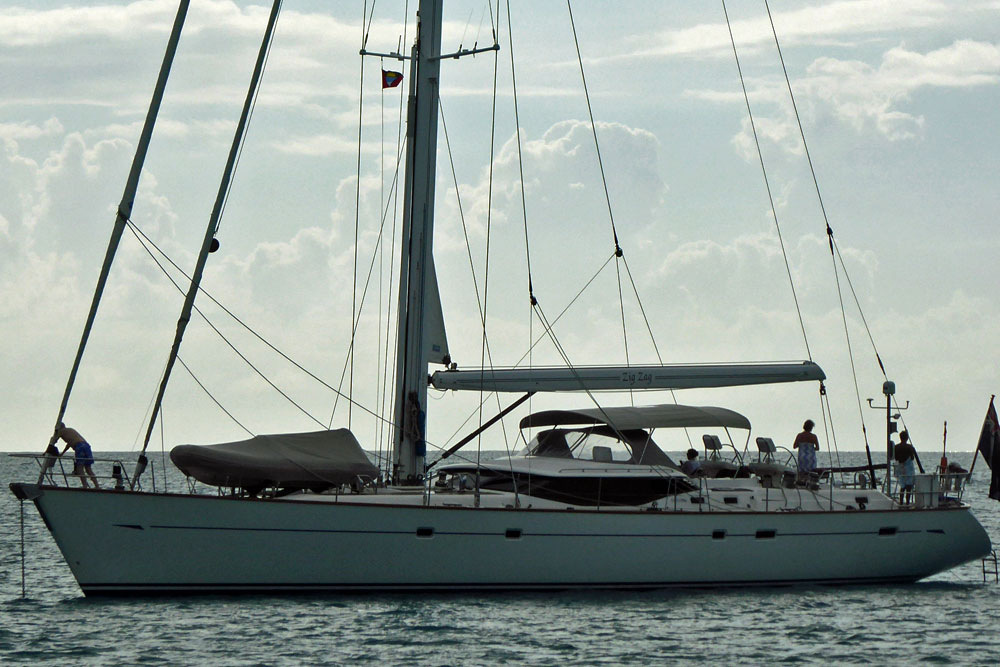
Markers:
point(315, 460)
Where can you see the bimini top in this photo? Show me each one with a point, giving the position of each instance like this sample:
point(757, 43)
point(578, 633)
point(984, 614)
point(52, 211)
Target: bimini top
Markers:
point(650, 416)
point(316, 460)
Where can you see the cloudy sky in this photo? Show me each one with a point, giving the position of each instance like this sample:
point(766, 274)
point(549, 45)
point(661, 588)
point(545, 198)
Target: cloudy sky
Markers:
point(899, 102)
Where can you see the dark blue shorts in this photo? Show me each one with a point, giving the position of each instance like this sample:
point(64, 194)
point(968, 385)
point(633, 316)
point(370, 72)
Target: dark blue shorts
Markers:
point(83, 454)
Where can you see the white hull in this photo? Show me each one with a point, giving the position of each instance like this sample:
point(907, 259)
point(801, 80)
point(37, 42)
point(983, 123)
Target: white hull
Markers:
point(139, 543)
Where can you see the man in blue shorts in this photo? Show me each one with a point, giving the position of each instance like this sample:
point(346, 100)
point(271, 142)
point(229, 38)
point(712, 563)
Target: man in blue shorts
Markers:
point(83, 456)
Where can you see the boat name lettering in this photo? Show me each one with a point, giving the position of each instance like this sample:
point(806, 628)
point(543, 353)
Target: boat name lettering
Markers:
point(632, 378)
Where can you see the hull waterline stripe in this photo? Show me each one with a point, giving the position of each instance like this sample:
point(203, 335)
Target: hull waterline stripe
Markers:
point(167, 589)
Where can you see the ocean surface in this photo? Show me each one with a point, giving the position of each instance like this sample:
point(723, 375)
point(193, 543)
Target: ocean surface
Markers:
point(952, 618)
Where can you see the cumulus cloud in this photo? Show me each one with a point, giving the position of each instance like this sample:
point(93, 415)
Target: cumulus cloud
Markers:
point(815, 23)
point(867, 98)
point(861, 94)
point(27, 130)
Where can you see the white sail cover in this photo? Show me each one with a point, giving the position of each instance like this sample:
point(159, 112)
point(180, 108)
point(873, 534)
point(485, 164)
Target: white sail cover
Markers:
point(626, 378)
point(644, 417)
point(288, 460)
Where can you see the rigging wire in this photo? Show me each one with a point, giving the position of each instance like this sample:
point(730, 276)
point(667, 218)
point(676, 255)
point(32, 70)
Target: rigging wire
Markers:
point(482, 19)
point(392, 247)
point(484, 349)
point(520, 156)
point(662, 472)
point(143, 240)
point(857, 304)
point(214, 400)
point(381, 261)
point(229, 343)
point(569, 364)
point(253, 107)
point(520, 170)
point(480, 301)
point(847, 337)
point(767, 184)
point(798, 120)
point(145, 416)
point(825, 397)
point(652, 338)
point(364, 294)
point(210, 230)
point(357, 205)
point(826, 221)
point(541, 337)
point(607, 194)
point(465, 32)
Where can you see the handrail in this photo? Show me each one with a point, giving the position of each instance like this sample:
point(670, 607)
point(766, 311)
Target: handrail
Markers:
point(118, 479)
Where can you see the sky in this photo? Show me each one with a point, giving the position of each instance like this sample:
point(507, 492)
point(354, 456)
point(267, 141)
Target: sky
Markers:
point(899, 103)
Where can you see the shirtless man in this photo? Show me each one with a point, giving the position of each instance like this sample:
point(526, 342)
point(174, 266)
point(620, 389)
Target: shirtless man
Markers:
point(83, 457)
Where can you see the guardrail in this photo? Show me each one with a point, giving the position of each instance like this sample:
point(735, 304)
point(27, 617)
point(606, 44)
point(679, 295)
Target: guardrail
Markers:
point(932, 489)
point(58, 471)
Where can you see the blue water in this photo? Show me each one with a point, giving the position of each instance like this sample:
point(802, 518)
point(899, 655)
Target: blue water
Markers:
point(952, 618)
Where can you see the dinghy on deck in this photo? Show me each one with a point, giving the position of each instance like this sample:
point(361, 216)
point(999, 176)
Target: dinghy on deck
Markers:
point(317, 461)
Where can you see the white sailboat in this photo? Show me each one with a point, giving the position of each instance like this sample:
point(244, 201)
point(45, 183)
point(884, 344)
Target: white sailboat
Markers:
point(593, 502)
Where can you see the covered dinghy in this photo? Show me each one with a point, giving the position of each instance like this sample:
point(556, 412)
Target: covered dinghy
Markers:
point(317, 461)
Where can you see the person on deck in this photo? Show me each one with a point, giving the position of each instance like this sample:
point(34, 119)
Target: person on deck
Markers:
point(83, 456)
point(692, 466)
point(905, 456)
point(807, 443)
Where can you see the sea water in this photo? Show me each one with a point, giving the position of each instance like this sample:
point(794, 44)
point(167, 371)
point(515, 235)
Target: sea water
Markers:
point(951, 618)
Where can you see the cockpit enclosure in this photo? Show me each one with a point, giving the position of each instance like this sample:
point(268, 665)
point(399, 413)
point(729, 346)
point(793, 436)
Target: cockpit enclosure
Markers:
point(592, 457)
point(601, 443)
point(590, 433)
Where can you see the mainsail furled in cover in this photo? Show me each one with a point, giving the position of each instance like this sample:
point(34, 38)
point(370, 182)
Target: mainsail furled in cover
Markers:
point(626, 378)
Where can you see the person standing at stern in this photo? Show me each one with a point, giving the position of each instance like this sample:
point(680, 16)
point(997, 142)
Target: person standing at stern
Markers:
point(905, 456)
point(807, 443)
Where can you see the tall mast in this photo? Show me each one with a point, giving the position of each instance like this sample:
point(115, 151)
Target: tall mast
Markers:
point(418, 230)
